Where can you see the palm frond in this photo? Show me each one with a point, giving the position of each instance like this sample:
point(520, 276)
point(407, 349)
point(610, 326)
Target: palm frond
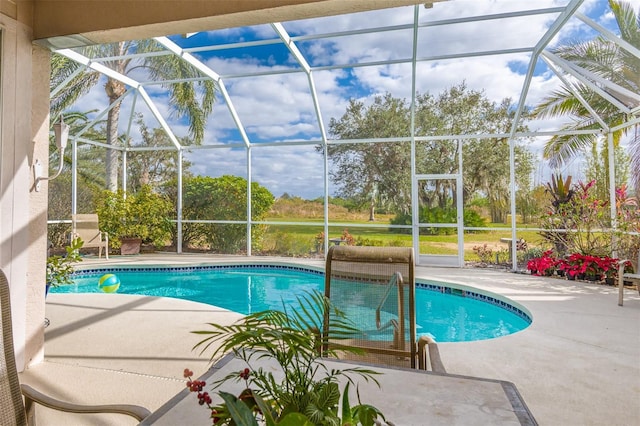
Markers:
point(628, 21)
point(604, 58)
point(192, 99)
point(560, 149)
point(79, 85)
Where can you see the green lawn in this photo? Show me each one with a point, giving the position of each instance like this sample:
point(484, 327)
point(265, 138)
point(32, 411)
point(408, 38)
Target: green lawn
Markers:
point(300, 239)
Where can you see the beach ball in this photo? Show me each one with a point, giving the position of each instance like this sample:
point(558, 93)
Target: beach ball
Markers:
point(109, 283)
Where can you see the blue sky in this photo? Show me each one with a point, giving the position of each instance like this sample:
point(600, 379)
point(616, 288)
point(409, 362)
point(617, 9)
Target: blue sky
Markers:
point(280, 107)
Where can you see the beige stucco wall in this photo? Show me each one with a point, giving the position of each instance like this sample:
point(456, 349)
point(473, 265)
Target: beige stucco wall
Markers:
point(23, 212)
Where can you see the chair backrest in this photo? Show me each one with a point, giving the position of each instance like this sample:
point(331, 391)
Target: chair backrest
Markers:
point(375, 287)
point(11, 404)
point(86, 226)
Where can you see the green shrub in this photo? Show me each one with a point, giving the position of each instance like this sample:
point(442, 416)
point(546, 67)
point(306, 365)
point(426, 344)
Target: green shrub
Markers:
point(484, 253)
point(502, 256)
point(144, 214)
point(360, 241)
point(288, 244)
point(222, 198)
point(471, 218)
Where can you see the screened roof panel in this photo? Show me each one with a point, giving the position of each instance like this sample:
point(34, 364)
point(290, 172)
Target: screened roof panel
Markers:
point(353, 22)
point(249, 59)
point(271, 91)
point(362, 48)
point(195, 41)
point(469, 38)
point(284, 175)
point(275, 107)
point(457, 10)
point(225, 161)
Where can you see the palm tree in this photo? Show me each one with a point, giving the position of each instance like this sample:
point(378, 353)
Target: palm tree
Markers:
point(191, 98)
point(606, 59)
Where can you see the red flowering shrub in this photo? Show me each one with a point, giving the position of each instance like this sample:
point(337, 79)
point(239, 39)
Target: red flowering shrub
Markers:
point(579, 265)
point(544, 265)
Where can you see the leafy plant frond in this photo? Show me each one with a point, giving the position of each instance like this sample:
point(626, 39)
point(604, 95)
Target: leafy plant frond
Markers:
point(303, 389)
point(604, 58)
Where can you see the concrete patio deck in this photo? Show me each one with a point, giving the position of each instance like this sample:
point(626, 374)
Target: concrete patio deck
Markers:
point(577, 364)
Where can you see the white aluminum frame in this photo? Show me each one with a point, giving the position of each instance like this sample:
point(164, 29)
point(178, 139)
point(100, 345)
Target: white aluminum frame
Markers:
point(565, 72)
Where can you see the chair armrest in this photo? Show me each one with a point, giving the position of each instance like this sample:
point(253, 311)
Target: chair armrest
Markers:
point(32, 396)
point(428, 352)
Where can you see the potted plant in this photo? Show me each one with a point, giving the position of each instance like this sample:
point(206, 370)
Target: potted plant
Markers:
point(304, 391)
point(134, 219)
point(60, 268)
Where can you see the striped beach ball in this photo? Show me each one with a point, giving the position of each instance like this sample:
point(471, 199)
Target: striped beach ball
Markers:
point(109, 283)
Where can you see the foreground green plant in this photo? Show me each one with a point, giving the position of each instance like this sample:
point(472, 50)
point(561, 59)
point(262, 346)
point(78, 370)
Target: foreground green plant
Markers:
point(305, 391)
point(60, 268)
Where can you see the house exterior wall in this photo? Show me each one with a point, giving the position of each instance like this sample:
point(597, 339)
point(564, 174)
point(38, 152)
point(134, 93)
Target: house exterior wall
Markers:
point(24, 117)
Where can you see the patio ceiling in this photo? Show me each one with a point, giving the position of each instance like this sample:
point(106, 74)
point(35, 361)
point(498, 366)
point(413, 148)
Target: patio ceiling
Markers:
point(422, 49)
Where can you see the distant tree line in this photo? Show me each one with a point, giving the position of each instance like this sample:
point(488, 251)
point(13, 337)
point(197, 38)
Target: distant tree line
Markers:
point(379, 174)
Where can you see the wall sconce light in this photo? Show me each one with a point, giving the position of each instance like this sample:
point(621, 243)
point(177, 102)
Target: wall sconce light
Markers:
point(61, 131)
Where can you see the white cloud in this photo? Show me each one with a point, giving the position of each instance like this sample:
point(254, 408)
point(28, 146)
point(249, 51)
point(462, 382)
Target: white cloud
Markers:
point(294, 170)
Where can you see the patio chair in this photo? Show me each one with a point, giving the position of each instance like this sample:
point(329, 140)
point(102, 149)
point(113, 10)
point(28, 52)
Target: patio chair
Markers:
point(628, 276)
point(375, 287)
point(85, 226)
point(16, 411)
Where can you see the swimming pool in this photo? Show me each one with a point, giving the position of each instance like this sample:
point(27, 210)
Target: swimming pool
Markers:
point(446, 313)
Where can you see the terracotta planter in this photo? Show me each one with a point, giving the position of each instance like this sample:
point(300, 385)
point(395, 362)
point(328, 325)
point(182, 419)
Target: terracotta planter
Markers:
point(130, 246)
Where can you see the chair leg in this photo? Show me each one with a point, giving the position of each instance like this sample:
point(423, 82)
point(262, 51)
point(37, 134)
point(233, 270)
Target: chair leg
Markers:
point(620, 285)
point(30, 409)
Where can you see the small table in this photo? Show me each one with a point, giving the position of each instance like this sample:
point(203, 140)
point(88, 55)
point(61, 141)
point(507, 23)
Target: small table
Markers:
point(406, 397)
point(336, 241)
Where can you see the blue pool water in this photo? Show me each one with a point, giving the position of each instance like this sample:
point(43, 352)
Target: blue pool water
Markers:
point(449, 315)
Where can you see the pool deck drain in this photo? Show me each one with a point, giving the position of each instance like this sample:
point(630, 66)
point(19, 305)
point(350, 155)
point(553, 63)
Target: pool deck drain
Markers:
point(577, 364)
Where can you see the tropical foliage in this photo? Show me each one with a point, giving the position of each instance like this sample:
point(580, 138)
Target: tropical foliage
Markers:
point(60, 268)
point(578, 220)
point(627, 236)
point(585, 239)
point(296, 388)
point(608, 60)
point(193, 98)
point(154, 167)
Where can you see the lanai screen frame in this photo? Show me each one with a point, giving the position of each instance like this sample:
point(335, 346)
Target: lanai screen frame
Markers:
point(538, 52)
